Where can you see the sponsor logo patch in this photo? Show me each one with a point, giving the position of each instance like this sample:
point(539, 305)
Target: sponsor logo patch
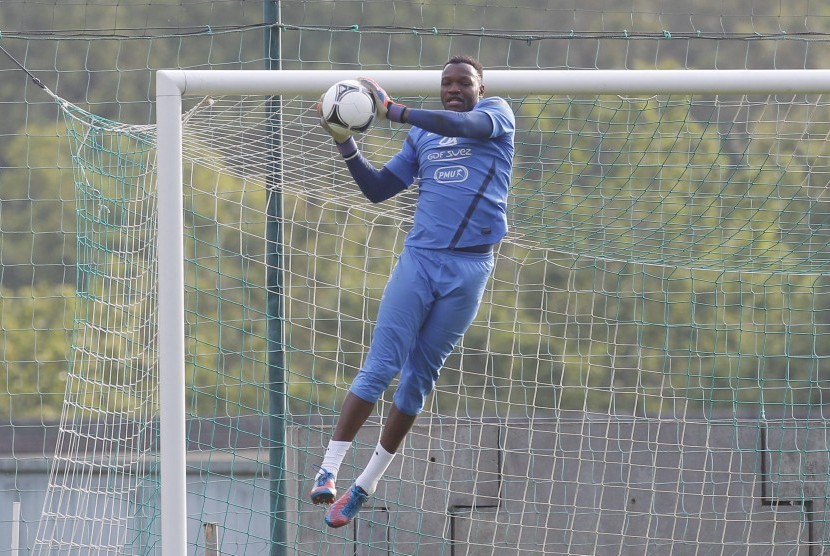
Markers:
point(451, 174)
point(451, 154)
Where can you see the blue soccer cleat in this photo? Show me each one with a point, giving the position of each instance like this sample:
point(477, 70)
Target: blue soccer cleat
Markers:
point(323, 491)
point(345, 509)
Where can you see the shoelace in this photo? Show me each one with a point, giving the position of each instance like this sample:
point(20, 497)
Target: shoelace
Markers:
point(323, 477)
point(354, 502)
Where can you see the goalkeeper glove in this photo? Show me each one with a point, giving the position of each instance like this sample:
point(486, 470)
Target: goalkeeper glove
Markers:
point(338, 135)
point(385, 108)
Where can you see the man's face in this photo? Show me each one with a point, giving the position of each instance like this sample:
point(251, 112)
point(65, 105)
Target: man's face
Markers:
point(461, 87)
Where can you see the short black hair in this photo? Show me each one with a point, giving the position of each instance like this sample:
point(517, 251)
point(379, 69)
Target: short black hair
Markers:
point(464, 59)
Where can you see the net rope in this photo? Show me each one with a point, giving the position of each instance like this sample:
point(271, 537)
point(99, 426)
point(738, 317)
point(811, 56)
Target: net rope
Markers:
point(664, 270)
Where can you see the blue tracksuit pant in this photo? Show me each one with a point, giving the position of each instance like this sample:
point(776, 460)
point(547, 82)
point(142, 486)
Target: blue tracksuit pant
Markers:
point(429, 302)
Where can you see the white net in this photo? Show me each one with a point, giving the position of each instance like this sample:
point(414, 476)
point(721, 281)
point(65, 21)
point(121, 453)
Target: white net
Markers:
point(653, 321)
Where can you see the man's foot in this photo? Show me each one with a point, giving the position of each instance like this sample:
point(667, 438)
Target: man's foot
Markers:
point(345, 509)
point(323, 491)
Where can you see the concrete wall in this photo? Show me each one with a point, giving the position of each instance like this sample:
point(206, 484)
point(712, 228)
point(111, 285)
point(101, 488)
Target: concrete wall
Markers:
point(594, 487)
point(569, 486)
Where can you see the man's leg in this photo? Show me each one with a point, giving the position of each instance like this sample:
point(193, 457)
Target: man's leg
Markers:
point(395, 428)
point(353, 414)
point(449, 319)
point(406, 302)
point(401, 311)
point(460, 284)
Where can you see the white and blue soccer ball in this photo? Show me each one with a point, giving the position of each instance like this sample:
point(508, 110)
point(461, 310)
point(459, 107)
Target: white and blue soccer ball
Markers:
point(348, 106)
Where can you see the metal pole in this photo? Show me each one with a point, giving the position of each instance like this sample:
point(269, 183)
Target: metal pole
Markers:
point(15, 528)
point(275, 293)
point(170, 248)
point(211, 539)
point(521, 82)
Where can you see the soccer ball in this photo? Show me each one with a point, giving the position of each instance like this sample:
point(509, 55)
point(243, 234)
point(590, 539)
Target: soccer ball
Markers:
point(348, 106)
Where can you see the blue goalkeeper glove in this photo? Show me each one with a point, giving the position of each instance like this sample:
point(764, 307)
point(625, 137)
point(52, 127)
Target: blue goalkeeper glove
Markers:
point(385, 107)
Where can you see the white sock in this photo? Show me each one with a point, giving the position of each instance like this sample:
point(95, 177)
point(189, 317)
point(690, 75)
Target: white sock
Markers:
point(335, 453)
point(375, 469)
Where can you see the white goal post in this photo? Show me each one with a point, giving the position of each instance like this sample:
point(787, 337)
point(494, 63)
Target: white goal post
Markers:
point(172, 85)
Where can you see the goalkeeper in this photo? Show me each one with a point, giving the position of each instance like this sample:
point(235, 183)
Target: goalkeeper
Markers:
point(462, 159)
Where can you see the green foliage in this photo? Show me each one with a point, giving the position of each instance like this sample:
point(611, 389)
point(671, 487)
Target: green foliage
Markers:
point(35, 335)
point(616, 334)
point(634, 314)
point(36, 211)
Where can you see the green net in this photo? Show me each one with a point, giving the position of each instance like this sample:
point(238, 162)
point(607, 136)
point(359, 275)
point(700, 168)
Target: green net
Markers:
point(646, 374)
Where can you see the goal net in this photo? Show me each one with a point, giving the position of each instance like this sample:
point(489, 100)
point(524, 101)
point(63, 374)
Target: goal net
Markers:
point(631, 384)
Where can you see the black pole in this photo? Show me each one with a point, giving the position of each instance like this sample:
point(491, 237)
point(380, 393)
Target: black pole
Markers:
point(275, 293)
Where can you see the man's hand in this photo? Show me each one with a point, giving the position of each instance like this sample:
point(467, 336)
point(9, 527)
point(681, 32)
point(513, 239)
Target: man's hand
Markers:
point(383, 102)
point(338, 135)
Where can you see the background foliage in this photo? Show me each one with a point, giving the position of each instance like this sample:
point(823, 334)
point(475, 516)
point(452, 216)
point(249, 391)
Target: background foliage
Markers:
point(101, 55)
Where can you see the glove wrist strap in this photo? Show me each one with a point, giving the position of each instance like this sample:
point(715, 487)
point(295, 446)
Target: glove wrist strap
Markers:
point(348, 149)
point(397, 113)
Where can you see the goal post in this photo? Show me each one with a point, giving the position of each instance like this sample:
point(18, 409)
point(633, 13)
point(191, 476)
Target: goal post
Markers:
point(173, 85)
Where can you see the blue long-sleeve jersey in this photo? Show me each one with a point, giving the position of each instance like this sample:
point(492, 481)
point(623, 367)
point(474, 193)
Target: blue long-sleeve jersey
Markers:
point(462, 163)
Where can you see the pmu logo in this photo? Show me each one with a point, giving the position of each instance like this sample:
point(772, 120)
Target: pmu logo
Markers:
point(451, 174)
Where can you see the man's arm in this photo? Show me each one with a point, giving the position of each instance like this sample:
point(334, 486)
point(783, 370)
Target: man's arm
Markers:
point(447, 123)
point(376, 185)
